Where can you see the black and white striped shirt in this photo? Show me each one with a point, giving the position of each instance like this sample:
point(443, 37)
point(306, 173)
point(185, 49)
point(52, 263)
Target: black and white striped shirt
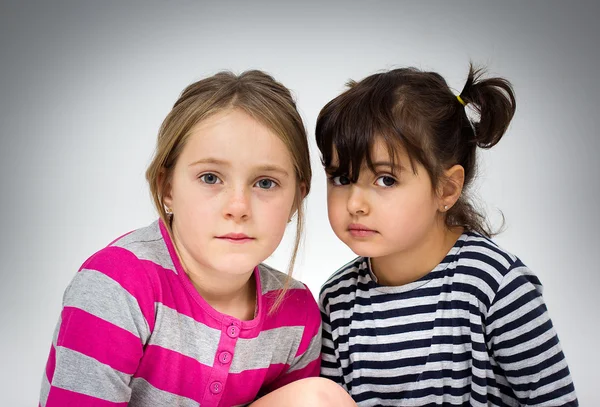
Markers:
point(474, 331)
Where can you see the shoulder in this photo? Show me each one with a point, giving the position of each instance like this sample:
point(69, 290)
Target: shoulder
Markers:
point(133, 260)
point(146, 244)
point(298, 303)
point(484, 264)
point(274, 280)
point(345, 280)
point(478, 252)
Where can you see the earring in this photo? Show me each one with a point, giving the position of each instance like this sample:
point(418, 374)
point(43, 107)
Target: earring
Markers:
point(168, 211)
point(445, 207)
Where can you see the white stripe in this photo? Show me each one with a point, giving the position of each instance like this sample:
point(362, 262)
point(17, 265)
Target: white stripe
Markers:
point(97, 294)
point(82, 374)
point(144, 395)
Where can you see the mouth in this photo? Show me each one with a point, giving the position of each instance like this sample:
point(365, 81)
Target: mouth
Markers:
point(358, 230)
point(238, 238)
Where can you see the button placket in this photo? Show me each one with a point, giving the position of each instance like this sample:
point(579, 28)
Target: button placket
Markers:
point(230, 332)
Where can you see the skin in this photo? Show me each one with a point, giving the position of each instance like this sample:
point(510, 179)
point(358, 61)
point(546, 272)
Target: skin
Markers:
point(312, 391)
point(407, 236)
point(234, 176)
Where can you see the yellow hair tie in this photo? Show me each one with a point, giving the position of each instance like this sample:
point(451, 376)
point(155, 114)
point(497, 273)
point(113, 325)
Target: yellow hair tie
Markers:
point(462, 102)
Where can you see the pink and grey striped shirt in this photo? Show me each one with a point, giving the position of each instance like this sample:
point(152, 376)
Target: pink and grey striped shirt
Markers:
point(135, 332)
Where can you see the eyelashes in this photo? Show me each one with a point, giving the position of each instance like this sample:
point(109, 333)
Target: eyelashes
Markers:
point(210, 178)
point(385, 181)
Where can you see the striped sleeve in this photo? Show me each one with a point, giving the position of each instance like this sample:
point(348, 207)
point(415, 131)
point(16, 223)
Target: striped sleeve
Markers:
point(306, 362)
point(330, 364)
point(105, 320)
point(524, 344)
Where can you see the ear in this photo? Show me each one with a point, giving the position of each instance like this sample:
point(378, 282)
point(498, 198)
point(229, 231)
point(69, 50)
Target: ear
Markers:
point(300, 195)
point(451, 187)
point(164, 187)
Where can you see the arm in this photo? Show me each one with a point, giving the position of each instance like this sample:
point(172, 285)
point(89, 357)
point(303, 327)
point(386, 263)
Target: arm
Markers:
point(330, 364)
point(99, 339)
point(299, 386)
point(306, 362)
point(524, 344)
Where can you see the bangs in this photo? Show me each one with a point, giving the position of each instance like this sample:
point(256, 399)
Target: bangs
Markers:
point(349, 125)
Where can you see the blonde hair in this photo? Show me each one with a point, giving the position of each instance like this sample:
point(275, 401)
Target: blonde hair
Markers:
point(258, 95)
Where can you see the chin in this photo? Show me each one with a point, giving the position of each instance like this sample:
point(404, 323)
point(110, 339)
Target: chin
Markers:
point(362, 249)
point(233, 266)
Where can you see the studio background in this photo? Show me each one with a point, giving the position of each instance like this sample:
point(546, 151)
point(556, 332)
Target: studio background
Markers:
point(85, 85)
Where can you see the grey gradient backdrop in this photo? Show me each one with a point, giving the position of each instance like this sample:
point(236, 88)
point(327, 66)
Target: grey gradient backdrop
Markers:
point(84, 87)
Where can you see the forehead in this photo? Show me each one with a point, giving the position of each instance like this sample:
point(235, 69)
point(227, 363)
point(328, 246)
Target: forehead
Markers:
point(236, 137)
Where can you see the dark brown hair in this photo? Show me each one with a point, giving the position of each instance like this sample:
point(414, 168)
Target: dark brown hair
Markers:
point(416, 110)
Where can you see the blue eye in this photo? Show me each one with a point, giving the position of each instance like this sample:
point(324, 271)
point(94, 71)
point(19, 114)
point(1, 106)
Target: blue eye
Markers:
point(385, 181)
point(210, 179)
point(266, 183)
point(340, 180)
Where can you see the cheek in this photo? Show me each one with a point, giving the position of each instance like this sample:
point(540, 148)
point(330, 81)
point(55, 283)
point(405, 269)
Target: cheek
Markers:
point(336, 209)
point(274, 210)
point(415, 210)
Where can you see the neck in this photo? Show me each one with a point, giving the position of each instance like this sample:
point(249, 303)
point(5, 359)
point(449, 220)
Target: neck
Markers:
point(231, 294)
point(415, 262)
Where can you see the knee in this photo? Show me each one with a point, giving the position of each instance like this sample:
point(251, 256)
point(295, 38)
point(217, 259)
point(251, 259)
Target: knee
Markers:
point(321, 392)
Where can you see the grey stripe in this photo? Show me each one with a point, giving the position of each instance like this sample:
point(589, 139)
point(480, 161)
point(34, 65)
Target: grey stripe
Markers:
point(144, 394)
point(311, 354)
point(100, 295)
point(149, 233)
point(184, 335)
point(148, 244)
point(45, 389)
point(271, 279)
point(56, 331)
point(277, 345)
point(82, 374)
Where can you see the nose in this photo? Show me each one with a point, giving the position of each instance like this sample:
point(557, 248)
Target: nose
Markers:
point(237, 205)
point(357, 203)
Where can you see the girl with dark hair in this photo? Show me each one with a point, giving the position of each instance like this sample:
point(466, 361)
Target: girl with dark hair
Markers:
point(433, 312)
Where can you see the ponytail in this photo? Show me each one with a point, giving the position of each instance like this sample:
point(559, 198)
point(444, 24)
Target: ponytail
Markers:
point(494, 101)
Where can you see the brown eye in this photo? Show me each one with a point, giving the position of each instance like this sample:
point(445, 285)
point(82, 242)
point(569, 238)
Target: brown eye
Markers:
point(385, 181)
point(340, 180)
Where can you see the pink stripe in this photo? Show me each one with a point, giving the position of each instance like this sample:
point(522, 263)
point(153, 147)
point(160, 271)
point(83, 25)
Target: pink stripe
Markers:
point(65, 398)
point(247, 386)
point(131, 273)
point(311, 329)
point(298, 309)
point(101, 340)
point(174, 295)
point(51, 364)
point(173, 372)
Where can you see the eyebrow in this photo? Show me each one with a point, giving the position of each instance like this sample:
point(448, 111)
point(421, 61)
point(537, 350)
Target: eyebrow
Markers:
point(262, 168)
point(384, 164)
point(210, 161)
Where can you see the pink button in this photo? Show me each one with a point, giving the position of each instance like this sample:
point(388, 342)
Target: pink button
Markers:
point(233, 331)
point(216, 387)
point(224, 357)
